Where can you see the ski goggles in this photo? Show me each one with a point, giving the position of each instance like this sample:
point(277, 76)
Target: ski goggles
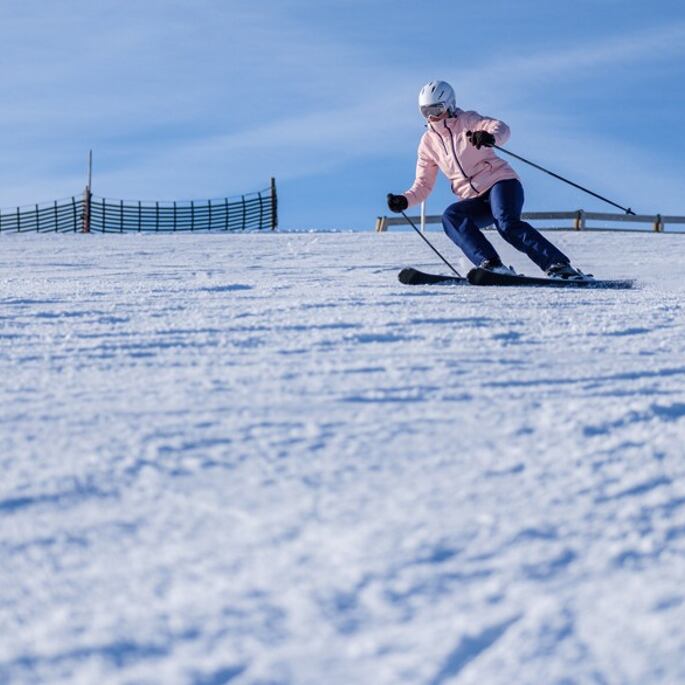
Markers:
point(433, 110)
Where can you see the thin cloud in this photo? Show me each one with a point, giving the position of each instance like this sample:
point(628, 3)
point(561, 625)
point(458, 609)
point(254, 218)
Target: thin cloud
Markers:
point(648, 45)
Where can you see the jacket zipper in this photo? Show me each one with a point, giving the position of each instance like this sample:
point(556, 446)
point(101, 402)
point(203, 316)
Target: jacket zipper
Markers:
point(456, 159)
point(454, 152)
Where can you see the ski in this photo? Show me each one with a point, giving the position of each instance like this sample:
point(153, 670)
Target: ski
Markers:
point(484, 277)
point(410, 276)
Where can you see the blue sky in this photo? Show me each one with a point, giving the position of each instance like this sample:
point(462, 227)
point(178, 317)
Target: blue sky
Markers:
point(186, 99)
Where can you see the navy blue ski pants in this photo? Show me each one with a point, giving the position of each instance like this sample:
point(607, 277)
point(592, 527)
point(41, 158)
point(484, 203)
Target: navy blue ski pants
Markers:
point(501, 206)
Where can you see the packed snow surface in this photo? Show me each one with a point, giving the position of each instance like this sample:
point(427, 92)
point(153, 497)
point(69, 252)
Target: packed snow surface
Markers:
point(260, 459)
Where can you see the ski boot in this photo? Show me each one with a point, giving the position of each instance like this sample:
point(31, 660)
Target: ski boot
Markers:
point(496, 266)
point(566, 271)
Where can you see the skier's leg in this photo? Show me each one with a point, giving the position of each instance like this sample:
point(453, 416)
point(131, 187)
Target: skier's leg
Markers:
point(506, 202)
point(462, 222)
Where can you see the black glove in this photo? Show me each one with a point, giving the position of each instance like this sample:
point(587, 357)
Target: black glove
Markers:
point(397, 203)
point(481, 139)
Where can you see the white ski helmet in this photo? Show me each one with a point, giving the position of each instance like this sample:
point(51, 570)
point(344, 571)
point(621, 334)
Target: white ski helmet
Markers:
point(436, 98)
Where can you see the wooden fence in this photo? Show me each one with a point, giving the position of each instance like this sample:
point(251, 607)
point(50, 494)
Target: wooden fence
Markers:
point(89, 213)
point(575, 221)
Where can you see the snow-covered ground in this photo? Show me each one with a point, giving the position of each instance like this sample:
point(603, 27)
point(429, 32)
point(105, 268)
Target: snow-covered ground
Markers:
point(257, 459)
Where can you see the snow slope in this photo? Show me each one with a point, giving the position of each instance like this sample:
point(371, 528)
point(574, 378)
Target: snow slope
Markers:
point(260, 459)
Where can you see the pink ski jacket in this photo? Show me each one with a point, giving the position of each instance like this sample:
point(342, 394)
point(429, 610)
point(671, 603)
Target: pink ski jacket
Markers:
point(445, 146)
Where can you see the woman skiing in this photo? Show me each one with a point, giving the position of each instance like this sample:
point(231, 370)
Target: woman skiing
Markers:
point(459, 144)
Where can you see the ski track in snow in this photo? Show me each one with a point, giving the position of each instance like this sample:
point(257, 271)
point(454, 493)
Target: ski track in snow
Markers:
point(260, 459)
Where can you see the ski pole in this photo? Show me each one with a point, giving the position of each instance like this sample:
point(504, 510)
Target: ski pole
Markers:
point(428, 242)
point(627, 210)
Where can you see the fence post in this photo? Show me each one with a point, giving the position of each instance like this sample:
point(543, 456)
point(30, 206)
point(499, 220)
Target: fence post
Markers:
point(226, 217)
point(381, 224)
point(658, 224)
point(580, 220)
point(274, 205)
point(87, 196)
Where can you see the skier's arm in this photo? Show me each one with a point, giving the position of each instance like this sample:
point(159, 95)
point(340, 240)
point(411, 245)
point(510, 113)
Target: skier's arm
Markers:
point(426, 173)
point(498, 128)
